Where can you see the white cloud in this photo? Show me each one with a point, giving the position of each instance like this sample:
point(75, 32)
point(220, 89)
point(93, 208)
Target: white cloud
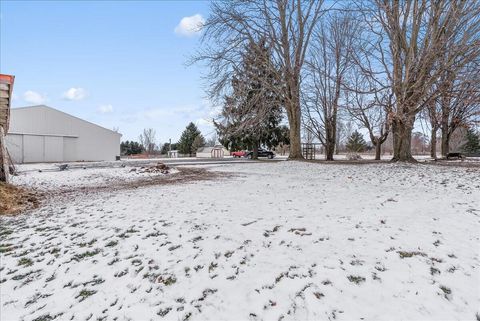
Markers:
point(190, 26)
point(75, 94)
point(33, 97)
point(105, 109)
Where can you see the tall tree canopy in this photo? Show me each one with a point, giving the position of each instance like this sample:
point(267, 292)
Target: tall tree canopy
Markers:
point(190, 140)
point(253, 111)
point(410, 46)
point(287, 28)
point(131, 148)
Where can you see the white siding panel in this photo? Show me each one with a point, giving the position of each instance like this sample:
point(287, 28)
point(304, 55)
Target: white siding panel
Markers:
point(33, 149)
point(53, 149)
point(15, 147)
point(69, 149)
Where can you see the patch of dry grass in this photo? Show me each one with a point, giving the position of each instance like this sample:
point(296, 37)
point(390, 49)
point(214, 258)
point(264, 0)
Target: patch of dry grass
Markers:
point(14, 200)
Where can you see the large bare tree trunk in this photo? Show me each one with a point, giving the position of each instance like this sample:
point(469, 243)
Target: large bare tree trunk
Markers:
point(255, 151)
point(378, 150)
point(433, 143)
point(330, 134)
point(445, 141)
point(294, 120)
point(329, 150)
point(402, 139)
point(295, 142)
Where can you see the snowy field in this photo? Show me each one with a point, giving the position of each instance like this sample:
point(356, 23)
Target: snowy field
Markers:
point(264, 241)
point(47, 177)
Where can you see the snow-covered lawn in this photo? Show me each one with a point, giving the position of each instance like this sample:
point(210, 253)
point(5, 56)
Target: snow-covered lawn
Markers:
point(47, 177)
point(271, 241)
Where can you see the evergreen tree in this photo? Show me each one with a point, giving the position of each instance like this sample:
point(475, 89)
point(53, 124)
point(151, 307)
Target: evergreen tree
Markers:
point(280, 136)
point(472, 146)
point(198, 142)
point(356, 143)
point(131, 148)
point(186, 142)
point(166, 148)
point(252, 113)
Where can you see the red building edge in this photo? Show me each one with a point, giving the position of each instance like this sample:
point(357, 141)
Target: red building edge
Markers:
point(6, 87)
point(6, 101)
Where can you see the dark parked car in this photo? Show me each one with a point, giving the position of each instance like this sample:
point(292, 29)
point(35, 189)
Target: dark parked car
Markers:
point(456, 156)
point(261, 153)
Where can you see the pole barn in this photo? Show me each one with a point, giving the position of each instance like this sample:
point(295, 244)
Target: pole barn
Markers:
point(44, 134)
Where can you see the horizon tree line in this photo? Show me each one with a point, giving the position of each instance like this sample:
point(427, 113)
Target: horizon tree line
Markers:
point(190, 140)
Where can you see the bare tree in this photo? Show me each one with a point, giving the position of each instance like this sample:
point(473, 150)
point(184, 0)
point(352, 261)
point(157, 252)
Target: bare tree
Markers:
point(341, 135)
point(345, 128)
point(432, 114)
point(328, 64)
point(459, 102)
point(211, 141)
point(456, 105)
point(419, 143)
point(412, 44)
point(147, 139)
point(370, 107)
point(287, 27)
point(458, 138)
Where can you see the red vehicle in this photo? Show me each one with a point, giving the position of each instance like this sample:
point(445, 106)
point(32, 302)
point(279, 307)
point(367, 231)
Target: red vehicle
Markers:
point(238, 154)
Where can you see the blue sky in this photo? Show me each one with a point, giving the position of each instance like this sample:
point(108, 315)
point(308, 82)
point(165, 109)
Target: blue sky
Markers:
point(115, 63)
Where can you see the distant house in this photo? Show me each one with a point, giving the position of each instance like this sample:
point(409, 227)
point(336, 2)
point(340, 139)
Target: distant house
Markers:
point(218, 151)
point(173, 154)
point(44, 134)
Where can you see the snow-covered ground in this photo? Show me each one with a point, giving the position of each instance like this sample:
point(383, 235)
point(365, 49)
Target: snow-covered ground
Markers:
point(47, 177)
point(272, 241)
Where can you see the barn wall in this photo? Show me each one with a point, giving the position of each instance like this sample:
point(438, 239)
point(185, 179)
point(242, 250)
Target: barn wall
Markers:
point(15, 147)
point(61, 137)
point(69, 149)
point(33, 148)
point(53, 148)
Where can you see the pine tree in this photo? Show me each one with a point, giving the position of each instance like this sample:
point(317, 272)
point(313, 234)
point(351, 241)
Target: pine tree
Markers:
point(356, 143)
point(130, 148)
point(166, 148)
point(252, 113)
point(473, 142)
point(198, 142)
point(186, 142)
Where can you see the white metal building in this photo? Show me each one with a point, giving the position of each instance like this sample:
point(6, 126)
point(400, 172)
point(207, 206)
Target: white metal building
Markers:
point(44, 134)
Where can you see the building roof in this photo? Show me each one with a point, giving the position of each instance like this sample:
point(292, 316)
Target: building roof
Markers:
point(208, 149)
point(64, 113)
point(6, 87)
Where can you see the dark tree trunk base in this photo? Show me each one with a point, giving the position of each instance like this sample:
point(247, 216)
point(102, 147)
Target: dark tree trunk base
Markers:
point(378, 151)
point(402, 138)
point(407, 160)
point(295, 158)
